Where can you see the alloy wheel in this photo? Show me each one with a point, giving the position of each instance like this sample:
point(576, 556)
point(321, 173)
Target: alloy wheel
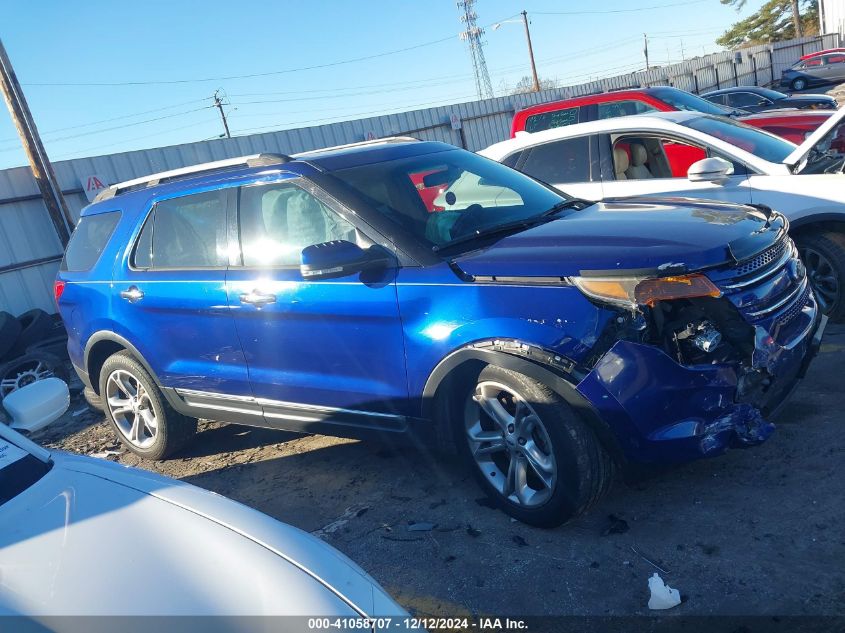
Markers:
point(22, 375)
point(131, 408)
point(510, 444)
point(823, 278)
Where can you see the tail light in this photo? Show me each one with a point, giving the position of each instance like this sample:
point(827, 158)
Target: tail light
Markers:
point(58, 289)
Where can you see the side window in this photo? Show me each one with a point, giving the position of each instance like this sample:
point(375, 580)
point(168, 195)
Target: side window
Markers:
point(614, 109)
point(743, 99)
point(834, 59)
point(186, 232)
point(549, 120)
point(88, 241)
point(558, 162)
point(278, 221)
point(720, 99)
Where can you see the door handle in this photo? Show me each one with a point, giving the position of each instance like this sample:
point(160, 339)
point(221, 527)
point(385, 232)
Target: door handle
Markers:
point(132, 294)
point(258, 298)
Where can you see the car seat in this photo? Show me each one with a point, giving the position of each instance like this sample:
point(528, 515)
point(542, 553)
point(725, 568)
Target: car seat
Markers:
point(638, 169)
point(620, 163)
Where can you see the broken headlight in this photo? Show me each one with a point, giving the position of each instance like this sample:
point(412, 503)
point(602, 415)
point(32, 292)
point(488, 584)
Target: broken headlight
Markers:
point(630, 292)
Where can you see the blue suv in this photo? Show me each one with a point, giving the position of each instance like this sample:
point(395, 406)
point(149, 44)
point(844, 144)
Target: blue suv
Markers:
point(407, 287)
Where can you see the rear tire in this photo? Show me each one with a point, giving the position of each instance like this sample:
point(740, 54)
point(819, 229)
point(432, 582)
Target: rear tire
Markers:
point(10, 329)
point(140, 415)
point(799, 84)
point(94, 401)
point(824, 256)
point(532, 455)
point(36, 326)
point(30, 368)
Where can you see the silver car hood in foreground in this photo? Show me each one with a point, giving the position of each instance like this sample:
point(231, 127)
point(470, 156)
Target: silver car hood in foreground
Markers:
point(97, 538)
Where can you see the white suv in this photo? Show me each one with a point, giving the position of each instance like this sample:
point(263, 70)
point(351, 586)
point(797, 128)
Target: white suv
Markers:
point(703, 156)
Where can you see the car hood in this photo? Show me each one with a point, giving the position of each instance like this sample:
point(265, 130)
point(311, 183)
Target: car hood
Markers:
point(805, 99)
point(648, 235)
point(96, 538)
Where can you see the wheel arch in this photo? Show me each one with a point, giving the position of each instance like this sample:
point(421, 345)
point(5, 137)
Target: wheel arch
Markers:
point(103, 344)
point(558, 373)
point(826, 221)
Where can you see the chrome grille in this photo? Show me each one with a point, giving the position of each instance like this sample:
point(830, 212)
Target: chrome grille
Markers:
point(771, 254)
point(795, 309)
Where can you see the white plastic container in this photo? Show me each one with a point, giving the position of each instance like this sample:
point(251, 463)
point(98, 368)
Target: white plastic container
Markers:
point(35, 406)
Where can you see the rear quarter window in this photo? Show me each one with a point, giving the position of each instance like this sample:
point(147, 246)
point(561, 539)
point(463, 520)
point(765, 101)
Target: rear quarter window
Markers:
point(88, 241)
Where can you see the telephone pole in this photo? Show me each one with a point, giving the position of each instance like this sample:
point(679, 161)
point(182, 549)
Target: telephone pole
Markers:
point(42, 170)
point(645, 50)
point(531, 53)
point(218, 101)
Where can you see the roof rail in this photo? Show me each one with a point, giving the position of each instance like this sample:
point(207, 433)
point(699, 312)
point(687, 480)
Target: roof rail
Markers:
point(375, 141)
point(253, 160)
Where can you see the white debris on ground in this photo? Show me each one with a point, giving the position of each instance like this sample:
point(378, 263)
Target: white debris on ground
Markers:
point(662, 595)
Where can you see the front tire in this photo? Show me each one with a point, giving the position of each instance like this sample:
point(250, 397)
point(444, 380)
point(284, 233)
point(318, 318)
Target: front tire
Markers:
point(823, 255)
point(141, 417)
point(532, 455)
point(799, 84)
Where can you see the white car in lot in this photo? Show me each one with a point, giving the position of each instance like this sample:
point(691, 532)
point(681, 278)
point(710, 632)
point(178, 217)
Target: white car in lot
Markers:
point(691, 154)
point(86, 537)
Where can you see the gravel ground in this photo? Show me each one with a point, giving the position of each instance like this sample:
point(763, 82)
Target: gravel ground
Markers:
point(756, 531)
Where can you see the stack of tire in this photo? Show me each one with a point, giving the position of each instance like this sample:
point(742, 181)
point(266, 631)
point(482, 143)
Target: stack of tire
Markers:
point(31, 348)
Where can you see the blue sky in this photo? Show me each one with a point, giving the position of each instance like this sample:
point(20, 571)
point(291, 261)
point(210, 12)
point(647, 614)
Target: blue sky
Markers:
point(172, 55)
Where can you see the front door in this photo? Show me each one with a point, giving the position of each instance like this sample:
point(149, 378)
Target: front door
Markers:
point(651, 165)
point(323, 351)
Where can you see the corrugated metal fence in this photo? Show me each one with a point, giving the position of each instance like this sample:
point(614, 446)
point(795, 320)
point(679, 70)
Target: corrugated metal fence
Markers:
point(30, 251)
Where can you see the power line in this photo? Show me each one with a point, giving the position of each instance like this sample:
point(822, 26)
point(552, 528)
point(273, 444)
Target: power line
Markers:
point(609, 11)
point(119, 127)
point(117, 118)
point(256, 75)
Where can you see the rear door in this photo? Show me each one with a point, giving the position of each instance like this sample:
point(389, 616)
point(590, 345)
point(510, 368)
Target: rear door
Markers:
point(318, 351)
point(170, 295)
point(571, 165)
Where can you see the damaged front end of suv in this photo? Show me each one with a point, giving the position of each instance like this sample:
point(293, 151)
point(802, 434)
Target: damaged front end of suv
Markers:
point(696, 362)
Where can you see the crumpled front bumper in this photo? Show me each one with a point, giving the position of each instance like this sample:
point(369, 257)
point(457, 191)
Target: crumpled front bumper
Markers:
point(661, 411)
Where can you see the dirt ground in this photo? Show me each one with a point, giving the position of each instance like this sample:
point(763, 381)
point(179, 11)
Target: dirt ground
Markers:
point(756, 531)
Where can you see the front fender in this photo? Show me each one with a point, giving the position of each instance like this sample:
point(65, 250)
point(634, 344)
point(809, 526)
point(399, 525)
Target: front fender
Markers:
point(553, 370)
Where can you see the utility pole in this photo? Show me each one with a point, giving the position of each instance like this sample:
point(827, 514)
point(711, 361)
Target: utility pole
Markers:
point(219, 103)
point(531, 53)
point(796, 19)
point(42, 170)
point(645, 51)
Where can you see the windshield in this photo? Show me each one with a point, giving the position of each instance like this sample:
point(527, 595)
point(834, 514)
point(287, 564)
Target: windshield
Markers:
point(753, 140)
point(449, 195)
point(681, 100)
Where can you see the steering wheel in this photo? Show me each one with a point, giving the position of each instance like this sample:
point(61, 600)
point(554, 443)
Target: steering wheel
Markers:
point(467, 221)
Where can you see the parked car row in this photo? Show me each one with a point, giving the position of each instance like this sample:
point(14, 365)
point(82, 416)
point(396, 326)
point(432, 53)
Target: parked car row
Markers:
point(414, 289)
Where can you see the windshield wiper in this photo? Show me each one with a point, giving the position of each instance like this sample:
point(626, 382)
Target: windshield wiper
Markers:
point(514, 226)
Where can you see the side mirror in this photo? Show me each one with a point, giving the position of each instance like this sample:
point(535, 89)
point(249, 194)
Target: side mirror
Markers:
point(710, 170)
point(338, 259)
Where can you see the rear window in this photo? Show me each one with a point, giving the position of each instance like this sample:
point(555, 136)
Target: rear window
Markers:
point(89, 241)
point(549, 120)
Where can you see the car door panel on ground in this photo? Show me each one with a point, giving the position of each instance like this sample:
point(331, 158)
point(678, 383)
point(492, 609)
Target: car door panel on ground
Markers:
point(171, 288)
point(646, 164)
point(332, 343)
